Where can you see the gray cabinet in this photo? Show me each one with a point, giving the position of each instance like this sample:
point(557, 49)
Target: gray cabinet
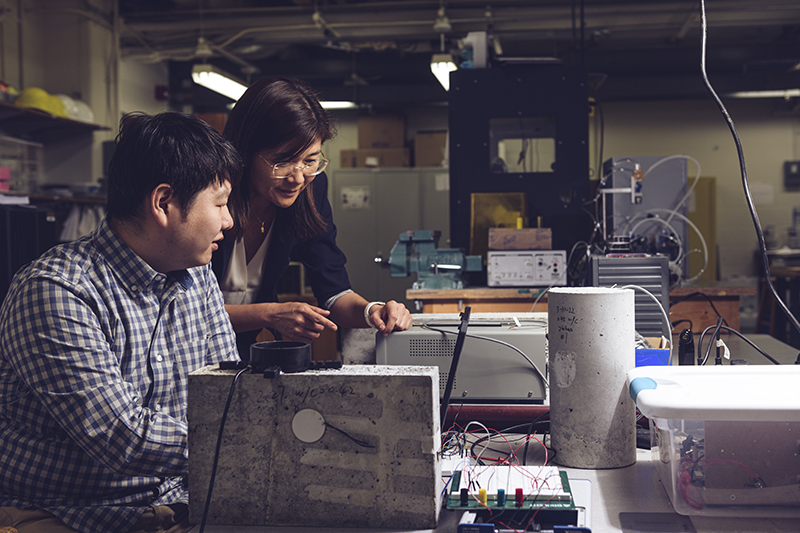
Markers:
point(372, 207)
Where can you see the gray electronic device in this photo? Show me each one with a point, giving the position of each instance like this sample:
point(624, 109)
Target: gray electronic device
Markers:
point(488, 371)
point(644, 211)
point(650, 272)
point(526, 268)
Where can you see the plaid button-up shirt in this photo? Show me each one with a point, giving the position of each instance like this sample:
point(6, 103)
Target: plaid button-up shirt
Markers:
point(95, 352)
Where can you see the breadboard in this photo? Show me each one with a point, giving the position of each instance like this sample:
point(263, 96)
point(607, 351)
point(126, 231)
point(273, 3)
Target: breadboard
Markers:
point(451, 465)
point(542, 486)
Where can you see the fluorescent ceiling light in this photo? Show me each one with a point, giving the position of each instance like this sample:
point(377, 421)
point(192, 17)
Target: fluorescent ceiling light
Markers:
point(217, 80)
point(441, 66)
point(785, 93)
point(333, 104)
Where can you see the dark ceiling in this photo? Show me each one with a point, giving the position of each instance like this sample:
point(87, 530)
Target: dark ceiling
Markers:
point(378, 52)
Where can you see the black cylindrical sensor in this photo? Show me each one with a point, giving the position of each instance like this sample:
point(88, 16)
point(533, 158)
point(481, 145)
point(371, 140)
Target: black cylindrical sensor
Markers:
point(686, 347)
point(290, 356)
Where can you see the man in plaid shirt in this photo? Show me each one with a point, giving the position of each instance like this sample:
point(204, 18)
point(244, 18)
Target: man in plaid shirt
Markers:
point(98, 336)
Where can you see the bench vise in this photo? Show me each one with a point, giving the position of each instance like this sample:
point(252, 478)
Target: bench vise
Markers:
point(436, 268)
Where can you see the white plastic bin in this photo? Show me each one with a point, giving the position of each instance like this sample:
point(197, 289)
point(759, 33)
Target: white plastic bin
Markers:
point(726, 439)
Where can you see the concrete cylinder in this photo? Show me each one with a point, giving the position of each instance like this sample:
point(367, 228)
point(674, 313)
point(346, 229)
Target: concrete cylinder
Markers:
point(591, 349)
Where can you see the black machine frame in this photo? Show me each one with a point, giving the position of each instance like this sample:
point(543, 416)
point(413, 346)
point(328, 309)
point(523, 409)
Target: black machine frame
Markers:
point(555, 95)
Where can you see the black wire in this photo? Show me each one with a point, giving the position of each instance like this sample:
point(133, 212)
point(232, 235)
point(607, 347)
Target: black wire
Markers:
point(455, 418)
point(748, 341)
point(691, 325)
point(451, 375)
point(363, 443)
point(453, 423)
point(528, 436)
point(740, 152)
point(600, 115)
point(700, 344)
point(706, 296)
point(529, 425)
point(219, 445)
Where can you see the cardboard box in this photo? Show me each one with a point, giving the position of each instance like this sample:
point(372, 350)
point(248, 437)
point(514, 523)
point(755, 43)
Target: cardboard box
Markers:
point(494, 210)
point(215, 120)
point(381, 131)
point(520, 239)
point(374, 158)
point(430, 148)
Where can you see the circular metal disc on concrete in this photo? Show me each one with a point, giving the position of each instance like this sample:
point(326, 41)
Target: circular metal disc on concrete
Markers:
point(308, 425)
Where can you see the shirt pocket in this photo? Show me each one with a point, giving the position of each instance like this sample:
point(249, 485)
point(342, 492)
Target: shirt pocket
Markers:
point(187, 358)
point(191, 354)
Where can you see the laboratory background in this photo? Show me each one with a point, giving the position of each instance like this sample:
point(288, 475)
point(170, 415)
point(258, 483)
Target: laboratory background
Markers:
point(490, 156)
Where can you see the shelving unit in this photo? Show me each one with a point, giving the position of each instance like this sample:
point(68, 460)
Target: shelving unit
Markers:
point(39, 126)
point(67, 145)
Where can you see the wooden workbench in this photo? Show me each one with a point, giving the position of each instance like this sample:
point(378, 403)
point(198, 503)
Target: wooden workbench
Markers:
point(698, 308)
point(480, 299)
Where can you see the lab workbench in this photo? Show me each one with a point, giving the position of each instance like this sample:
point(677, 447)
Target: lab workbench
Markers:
point(621, 499)
point(629, 499)
point(697, 308)
point(499, 416)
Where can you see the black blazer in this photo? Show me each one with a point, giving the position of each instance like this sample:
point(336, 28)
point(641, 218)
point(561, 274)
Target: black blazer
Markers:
point(324, 261)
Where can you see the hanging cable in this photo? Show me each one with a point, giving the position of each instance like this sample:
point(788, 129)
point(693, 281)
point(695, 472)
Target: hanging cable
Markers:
point(740, 152)
point(219, 445)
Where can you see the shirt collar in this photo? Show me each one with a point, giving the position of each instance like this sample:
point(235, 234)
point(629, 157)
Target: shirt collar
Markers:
point(134, 272)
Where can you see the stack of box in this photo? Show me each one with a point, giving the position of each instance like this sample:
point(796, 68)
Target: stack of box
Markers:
point(381, 143)
point(430, 149)
point(520, 239)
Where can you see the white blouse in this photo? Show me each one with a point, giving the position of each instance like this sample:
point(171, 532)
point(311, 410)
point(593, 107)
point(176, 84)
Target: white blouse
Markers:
point(242, 280)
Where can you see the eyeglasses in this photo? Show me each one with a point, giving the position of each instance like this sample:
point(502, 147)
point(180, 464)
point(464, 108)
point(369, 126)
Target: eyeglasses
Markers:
point(310, 168)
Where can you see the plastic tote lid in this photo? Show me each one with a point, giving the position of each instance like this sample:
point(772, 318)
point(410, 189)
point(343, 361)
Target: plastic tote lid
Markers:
point(761, 392)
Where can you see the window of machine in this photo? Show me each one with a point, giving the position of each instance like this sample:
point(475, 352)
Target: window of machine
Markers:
point(522, 145)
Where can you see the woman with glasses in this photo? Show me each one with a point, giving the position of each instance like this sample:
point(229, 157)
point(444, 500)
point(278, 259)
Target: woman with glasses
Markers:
point(281, 212)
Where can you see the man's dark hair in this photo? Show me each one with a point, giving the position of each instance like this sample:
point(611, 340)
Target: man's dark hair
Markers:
point(173, 148)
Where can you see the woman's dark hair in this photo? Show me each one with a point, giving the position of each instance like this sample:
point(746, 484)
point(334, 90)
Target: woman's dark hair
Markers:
point(284, 116)
point(173, 148)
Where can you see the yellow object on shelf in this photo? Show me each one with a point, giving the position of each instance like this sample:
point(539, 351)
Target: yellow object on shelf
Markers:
point(38, 98)
point(56, 106)
point(35, 98)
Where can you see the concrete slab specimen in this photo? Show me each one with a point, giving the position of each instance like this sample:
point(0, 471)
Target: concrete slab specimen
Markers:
point(353, 447)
